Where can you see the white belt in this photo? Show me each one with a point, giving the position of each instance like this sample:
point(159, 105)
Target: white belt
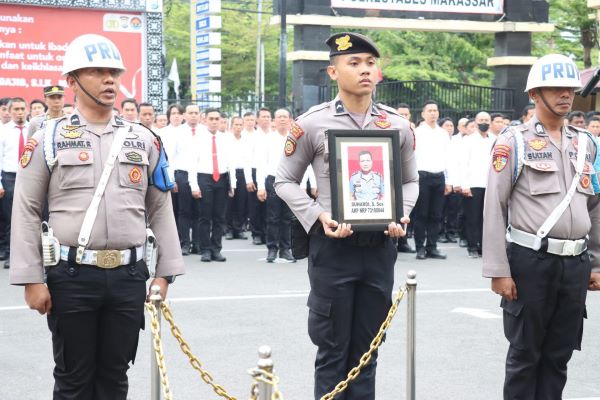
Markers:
point(105, 258)
point(555, 246)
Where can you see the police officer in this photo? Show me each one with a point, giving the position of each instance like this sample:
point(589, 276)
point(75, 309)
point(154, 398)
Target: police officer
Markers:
point(351, 273)
point(366, 184)
point(55, 100)
point(540, 187)
point(94, 294)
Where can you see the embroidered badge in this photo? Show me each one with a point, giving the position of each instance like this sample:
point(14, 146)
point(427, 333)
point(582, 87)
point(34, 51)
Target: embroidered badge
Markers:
point(296, 131)
point(290, 146)
point(84, 156)
point(537, 144)
point(31, 143)
point(71, 127)
point(500, 157)
point(133, 156)
point(383, 124)
point(585, 181)
point(542, 166)
point(71, 134)
point(135, 175)
point(26, 157)
point(343, 43)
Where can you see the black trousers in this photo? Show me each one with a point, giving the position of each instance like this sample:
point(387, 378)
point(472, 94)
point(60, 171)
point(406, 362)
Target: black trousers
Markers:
point(257, 212)
point(452, 205)
point(211, 209)
point(350, 295)
point(279, 219)
point(95, 323)
point(545, 324)
point(188, 213)
point(474, 218)
point(237, 206)
point(8, 182)
point(429, 209)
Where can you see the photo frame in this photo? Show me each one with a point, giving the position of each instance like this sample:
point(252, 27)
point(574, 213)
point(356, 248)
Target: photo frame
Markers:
point(366, 178)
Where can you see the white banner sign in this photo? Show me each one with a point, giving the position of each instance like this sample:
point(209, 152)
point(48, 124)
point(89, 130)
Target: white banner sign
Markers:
point(442, 6)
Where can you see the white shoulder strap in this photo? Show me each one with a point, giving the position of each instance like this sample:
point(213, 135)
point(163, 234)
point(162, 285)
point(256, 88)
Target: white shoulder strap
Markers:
point(562, 206)
point(520, 150)
point(49, 144)
point(92, 211)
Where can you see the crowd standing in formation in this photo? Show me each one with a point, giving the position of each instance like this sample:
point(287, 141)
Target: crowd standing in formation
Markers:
point(245, 177)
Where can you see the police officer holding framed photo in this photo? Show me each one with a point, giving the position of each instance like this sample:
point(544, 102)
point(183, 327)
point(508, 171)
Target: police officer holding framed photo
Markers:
point(103, 178)
point(541, 200)
point(351, 273)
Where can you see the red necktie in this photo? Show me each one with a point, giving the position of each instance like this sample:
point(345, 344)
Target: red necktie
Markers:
point(216, 175)
point(193, 131)
point(21, 143)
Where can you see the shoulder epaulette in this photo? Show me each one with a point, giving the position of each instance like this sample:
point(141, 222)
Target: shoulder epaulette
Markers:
point(388, 109)
point(314, 109)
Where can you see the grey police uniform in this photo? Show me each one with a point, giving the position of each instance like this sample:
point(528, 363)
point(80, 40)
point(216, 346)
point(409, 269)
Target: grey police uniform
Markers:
point(544, 325)
point(366, 186)
point(96, 312)
point(351, 279)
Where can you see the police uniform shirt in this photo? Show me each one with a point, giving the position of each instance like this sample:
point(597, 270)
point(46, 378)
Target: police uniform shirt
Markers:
point(183, 135)
point(36, 123)
point(200, 157)
point(269, 155)
point(9, 146)
point(431, 150)
point(128, 199)
point(366, 186)
point(476, 155)
point(541, 186)
point(307, 144)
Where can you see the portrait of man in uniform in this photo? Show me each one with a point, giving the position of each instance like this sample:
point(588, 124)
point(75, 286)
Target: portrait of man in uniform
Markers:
point(367, 182)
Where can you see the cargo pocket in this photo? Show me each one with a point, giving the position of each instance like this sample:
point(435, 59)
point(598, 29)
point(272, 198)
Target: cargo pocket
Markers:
point(75, 169)
point(580, 333)
point(58, 342)
point(133, 166)
point(320, 323)
point(542, 177)
point(513, 323)
point(137, 340)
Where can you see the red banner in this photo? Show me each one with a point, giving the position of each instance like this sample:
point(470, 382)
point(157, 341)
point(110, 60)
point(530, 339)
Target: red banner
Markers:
point(33, 42)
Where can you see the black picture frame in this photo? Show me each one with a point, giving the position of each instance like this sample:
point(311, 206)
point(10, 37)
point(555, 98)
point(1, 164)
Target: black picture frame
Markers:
point(365, 214)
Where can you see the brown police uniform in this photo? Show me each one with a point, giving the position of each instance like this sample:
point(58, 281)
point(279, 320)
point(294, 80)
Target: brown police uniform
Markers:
point(38, 122)
point(96, 313)
point(544, 325)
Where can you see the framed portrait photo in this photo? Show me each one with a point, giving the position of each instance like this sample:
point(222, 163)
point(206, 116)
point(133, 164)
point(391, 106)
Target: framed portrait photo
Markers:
point(366, 178)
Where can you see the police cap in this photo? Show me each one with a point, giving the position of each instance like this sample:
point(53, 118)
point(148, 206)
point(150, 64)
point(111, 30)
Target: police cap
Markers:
point(52, 90)
point(350, 43)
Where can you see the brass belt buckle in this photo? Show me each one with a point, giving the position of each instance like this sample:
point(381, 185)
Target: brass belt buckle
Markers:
point(108, 258)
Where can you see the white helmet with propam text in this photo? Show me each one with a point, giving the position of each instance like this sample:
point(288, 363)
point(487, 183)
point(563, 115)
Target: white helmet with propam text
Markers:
point(553, 70)
point(91, 50)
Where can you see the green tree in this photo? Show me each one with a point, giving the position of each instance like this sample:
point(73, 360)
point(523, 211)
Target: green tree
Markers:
point(177, 42)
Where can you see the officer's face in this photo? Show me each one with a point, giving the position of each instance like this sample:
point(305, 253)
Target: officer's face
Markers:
point(237, 125)
point(430, 113)
point(264, 120)
point(249, 122)
point(212, 121)
point(17, 110)
point(282, 119)
point(366, 163)
point(559, 99)
point(129, 112)
point(147, 116)
point(192, 115)
point(355, 73)
point(37, 109)
point(578, 122)
point(55, 102)
point(102, 83)
point(405, 112)
point(594, 127)
point(497, 125)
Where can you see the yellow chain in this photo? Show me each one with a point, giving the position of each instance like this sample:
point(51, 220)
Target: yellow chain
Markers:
point(269, 378)
point(206, 377)
point(365, 358)
point(158, 351)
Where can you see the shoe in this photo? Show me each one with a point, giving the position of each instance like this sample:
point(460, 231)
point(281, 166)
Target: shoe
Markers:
point(185, 250)
point(271, 255)
point(241, 236)
point(229, 236)
point(405, 248)
point(463, 243)
point(435, 253)
point(194, 249)
point(450, 239)
point(287, 255)
point(257, 241)
point(473, 254)
point(218, 257)
point(443, 239)
point(7, 264)
point(205, 256)
point(421, 254)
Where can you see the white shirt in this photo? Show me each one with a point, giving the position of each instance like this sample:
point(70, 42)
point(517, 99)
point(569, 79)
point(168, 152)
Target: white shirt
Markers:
point(182, 138)
point(256, 144)
point(455, 160)
point(431, 149)
point(238, 150)
point(200, 156)
point(9, 146)
point(272, 150)
point(477, 156)
point(168, 136)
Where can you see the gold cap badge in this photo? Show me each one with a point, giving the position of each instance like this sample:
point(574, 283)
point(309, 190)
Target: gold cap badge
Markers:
point(343, 43)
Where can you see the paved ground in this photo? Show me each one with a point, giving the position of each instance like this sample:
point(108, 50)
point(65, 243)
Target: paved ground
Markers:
point(227, 310)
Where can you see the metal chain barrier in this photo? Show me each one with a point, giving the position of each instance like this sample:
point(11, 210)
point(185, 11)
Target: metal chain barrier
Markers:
point(375, 344)
point(267, 378)
point(206, 377)
point(158, 350)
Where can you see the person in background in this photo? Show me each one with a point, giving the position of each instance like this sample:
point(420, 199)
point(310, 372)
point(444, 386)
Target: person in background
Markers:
point(55, 98)
point(160, 121)
point(404, 110)
point(497, 124)
point(528, 113)
point(447, 125)
point(129, 110)
point(37, 107)
point(593, 126)
point(237, 206)
point(576, 118)
point(4, 114)
point(146, 114)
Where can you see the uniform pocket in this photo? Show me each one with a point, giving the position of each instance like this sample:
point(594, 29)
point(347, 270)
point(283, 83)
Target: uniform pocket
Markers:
point(133, 167)
point(513, 323)
point(320, 323)
point(75, 169)
point(543, 177)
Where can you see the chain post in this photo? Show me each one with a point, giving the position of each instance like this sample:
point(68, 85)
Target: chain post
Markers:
point(155, 390)
point(411, 288)
point(265, 363)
